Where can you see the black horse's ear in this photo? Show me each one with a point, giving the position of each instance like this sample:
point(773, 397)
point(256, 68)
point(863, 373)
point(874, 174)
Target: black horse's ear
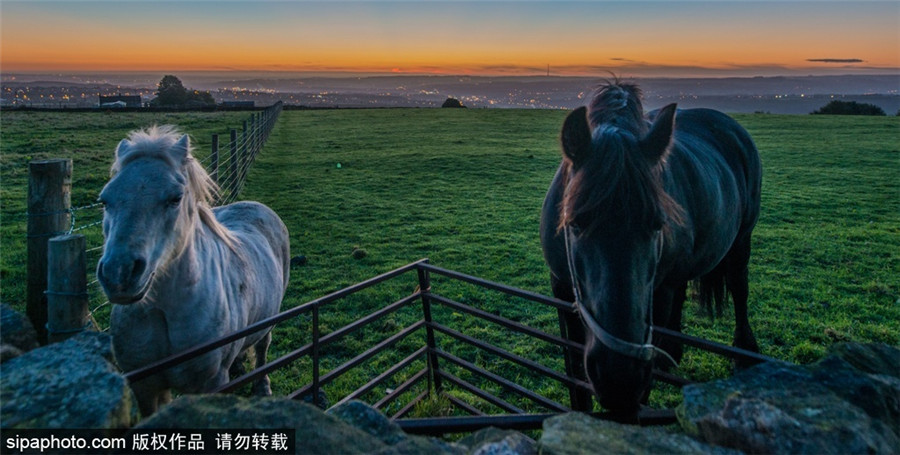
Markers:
point(576, 136)
point(656, 143)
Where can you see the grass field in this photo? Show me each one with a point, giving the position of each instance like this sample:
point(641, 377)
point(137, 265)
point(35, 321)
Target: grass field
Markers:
point(464, 188)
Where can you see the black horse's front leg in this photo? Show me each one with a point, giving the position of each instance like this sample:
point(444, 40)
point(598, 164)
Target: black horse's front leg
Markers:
point(571, 328)
point(668, 304)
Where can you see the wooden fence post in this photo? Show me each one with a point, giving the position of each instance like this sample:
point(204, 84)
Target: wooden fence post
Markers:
point(214, 160)
point(252, 148)
point(234, 166)
point(261, 130)
point(245, 157)
point(67, 297)
point(49, 201)
point(257, 134)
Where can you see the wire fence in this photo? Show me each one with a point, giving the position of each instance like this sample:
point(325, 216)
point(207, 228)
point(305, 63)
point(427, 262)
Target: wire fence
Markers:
point(49, 216)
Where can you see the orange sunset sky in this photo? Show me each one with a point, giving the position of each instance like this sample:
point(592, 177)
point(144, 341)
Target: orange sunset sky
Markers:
point(517, 38)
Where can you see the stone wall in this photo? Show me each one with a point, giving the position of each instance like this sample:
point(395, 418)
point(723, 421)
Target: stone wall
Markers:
point(848, 402)
point(72, 384)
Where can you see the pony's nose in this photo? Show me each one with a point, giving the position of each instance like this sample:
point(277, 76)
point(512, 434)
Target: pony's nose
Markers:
point(138, 268)
point(119, 275)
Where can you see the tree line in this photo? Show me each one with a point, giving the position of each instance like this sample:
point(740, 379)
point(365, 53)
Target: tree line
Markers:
point(838, 107)
point(171, 93)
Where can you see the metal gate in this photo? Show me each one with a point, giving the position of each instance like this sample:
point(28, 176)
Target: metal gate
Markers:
point(435, 378)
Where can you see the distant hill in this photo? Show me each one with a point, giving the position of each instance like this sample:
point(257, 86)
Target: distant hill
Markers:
point(783, 94)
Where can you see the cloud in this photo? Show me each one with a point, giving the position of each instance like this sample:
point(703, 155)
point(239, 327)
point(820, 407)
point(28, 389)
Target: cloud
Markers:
point(630, 68)
point(834, 60)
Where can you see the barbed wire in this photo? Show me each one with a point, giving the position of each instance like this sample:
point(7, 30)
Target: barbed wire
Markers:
point(73, 228)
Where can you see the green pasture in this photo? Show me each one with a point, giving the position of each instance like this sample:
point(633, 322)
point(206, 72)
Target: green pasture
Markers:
point(464, 188)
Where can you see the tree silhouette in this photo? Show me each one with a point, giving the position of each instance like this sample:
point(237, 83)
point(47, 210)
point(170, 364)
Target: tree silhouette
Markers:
point(452, 102)
point(171, 92)
point(837, 107)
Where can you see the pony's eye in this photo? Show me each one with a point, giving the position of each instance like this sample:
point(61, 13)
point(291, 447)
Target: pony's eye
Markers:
point(175, 201)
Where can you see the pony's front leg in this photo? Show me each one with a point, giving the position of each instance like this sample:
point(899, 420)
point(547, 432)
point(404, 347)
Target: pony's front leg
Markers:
point(262, 386)
point(163, 398)
point(219, 379)
point(151, 394)
point(237, 367)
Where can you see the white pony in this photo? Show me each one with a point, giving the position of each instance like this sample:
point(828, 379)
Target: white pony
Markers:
point(182, 273)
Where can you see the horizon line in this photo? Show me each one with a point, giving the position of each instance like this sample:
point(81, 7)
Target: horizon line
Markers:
point(640, 70)
point(713, 73)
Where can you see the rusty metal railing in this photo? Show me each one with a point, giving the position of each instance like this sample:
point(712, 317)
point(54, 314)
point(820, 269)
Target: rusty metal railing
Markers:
point(440, 380)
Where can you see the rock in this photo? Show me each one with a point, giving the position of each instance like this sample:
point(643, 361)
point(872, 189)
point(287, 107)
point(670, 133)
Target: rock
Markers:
point(298, 261)
point(876, 394)
point(315, 431)
point(872, 358)
point(828, 407)
point(94, 342)
point(347, 429)
point(72, 384)
point(494, 441)
point(8, 351)
point(755, 425)
point(368, 419)
point(576, 433)
point(417, 445)
point(321, 400)
point(16, 330)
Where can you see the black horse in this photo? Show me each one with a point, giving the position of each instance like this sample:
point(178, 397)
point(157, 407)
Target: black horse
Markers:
point(639, 207)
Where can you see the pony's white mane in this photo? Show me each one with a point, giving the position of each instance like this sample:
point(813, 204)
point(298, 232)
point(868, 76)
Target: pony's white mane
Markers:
point(157, 142)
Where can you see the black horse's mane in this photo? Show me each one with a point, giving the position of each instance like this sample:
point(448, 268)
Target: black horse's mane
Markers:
point(616, 186)
point(618, 104)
